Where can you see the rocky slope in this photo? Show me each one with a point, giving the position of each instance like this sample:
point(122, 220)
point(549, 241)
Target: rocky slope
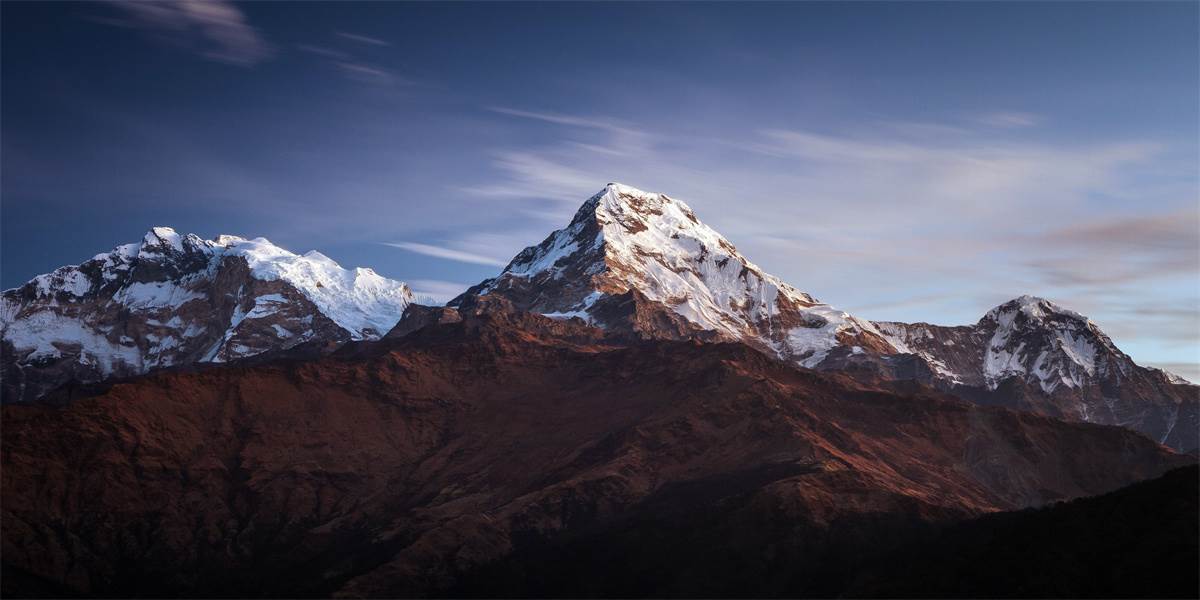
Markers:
point(1032, 354)
point(404, 466)
point(642, 261)
point(178, 299)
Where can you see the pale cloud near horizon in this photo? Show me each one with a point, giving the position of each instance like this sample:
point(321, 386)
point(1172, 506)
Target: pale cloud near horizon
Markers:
point(1009, 119)
point(214, 29)
point(448, 253)
point(1189, 371)
point(436, 290)
point(1118, 250)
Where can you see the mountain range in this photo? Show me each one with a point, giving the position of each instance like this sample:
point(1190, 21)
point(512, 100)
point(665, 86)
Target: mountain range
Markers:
point(413, 465)
point(178, 299)
point(224, 417)
point(644, 263)
point(628, 261)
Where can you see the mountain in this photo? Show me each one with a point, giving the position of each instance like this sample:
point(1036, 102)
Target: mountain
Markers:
point(178, 299)
point(1032, 354)
point(642, 262)
point(411, 465)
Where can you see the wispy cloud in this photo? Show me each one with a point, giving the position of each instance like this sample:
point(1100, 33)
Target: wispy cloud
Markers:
point(531, 175)
point(214, 29)
point(436, 290)
point(549, 173)
point(323, 51)
point(348, 63)
point(1008, 119)
point(448, 253)
point(365, 73)
point(1118, 250)
point(362, 39)
point(561, 119)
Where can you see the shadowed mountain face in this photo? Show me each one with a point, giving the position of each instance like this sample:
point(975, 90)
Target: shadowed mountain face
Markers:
point(406, 466)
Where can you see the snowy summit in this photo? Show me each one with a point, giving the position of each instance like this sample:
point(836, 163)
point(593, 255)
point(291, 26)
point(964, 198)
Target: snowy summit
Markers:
point(176, 299)
point(624, 239)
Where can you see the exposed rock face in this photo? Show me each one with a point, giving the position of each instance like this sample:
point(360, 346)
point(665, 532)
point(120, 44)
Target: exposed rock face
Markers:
point(686, 281)
point(175, 300)
point(417, 316)
point(1032, 354)
point(396, 467)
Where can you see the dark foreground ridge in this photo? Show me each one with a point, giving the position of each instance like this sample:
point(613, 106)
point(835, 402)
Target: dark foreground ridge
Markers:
point(448, 460)
point(1137, 542)
point(1140, 541)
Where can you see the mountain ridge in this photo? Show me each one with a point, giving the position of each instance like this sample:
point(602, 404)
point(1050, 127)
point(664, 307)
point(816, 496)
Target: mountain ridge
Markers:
point(389, 468)
point(1033, 354)
point(644, 262)
point(629, 261)
point(173, 299)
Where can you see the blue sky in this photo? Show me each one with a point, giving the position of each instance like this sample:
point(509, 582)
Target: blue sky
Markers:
point(907, 161)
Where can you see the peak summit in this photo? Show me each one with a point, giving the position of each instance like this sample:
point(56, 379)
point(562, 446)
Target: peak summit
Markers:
point(1033, 308)
point(176, 299)
point(162, 238)
point(624, 240)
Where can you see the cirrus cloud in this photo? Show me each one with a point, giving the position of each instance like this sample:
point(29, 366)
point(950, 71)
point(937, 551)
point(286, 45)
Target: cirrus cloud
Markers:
point(214, 29)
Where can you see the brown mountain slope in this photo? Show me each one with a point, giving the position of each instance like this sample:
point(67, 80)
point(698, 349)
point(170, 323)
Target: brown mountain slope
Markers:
point(399, 467)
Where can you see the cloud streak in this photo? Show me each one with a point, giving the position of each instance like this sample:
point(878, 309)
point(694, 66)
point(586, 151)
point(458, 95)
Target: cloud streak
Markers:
point(1009, 119)
point(436, 290)
point(1119, 250)
point(447, 253)
point(362, 39)
point(364, 73)
point(214, 29)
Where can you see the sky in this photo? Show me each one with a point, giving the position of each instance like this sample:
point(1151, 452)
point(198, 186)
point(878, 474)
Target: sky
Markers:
point(901, 161)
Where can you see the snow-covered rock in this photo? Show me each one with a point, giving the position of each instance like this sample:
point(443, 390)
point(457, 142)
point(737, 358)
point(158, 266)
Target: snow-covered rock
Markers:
point(624, 242)
point(177, 299)
point(1032, 354)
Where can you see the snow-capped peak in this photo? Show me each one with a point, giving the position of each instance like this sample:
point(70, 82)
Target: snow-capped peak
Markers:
point(1033, 307)
point(1037, 339)
point(173, 299)
point(159, 237)
point(361, 301)
point(625, 239)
